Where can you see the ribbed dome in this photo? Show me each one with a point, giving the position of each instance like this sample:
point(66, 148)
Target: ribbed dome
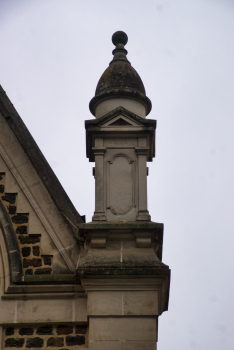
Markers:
point(120, 79)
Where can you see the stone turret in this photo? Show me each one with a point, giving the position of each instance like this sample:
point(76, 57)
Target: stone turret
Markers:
point(120, 265)
point(120, 140)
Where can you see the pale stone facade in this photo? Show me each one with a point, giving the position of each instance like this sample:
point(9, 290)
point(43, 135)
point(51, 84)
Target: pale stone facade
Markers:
point(66, 284)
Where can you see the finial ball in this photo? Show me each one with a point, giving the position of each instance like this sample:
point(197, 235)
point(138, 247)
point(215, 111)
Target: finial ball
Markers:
point(119, 38)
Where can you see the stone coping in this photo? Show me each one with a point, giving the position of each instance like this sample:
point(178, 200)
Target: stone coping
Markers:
point(120, 225)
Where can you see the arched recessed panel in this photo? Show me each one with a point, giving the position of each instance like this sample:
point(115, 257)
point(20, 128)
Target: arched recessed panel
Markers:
point(121, 185)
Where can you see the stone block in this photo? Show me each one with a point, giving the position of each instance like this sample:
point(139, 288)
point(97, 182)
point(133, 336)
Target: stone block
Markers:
point(14, 343)
point(139, 345)
point(26, 251)
point(22, 230)
point(75, 340)
point(43, 271)
point(62, 329)
point(81, 329)
point(9, 197)
point(9, 331)
point(55, 342)
point(32, 262)
point(37, 310)
point(122, 328)
point(45, 330)
point(7, 313)
point(104, 303)
point(105, 345)
point(47, 260)
point(26, 331)
point(31, 239)
point(20, 219)
point(34, 343)
point(12, 209)
point(123, 303)
point(140, 303)
point(36, 250)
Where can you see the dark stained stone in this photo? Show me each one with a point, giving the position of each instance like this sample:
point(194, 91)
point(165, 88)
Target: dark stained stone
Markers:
point(1, 188)
point(1, 177)
point(26, 251)
point(81, 329)
point(20, 218)
point(43, 271)
point(9, 197)
point(120, 78)
point(47, 260)
point(53, 341)
point(45, 330)
point(28, 272)
point(32, 262)
point(77, 340)
point(36, 250)
point(14, 343)
point(31, 239)
point(22, 230)
point(34, 343)
point(64, 329)
point(9, 331)
point(26, 331)
point(12, 209)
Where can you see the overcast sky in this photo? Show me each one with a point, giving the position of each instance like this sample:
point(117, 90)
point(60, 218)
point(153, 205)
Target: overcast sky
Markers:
point(53, 53)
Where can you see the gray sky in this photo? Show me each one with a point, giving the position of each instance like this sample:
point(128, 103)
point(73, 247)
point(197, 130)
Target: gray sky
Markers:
point(53, 53)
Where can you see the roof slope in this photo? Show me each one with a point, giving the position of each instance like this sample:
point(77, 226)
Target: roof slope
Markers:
point(50, 180)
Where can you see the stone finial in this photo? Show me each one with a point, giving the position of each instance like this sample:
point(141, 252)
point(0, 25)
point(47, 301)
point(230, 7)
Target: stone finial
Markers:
point(119, 39)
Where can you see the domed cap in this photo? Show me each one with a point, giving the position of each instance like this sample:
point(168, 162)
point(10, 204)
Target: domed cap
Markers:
point(120, 79)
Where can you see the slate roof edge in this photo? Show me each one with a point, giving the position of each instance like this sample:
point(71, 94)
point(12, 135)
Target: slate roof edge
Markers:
point(48, 177)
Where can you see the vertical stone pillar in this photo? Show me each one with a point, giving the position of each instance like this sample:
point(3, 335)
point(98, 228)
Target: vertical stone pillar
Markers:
point(99, 151)
point(143, 214)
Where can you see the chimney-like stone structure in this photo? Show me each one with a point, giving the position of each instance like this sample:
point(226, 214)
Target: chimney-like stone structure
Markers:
point(120, 265)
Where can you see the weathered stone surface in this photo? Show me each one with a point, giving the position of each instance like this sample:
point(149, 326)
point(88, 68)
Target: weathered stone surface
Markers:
point(9, 331)
point(32, 262)
point(20, 219)
point(122, 328)
point(28, 272)
point(21, 230)
point(9, 197)
point(34, 342)
point(45, 330)
point(106, 345)
point(64, 329)
point(36, 250)
point(14, 343)
point(12, 209)
point(55, 342)
point(43, 271)
point(81, 329)
point(47, 260)
point(76, 340)
point(26, 251)
point(26, 331)
point(31, 239)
